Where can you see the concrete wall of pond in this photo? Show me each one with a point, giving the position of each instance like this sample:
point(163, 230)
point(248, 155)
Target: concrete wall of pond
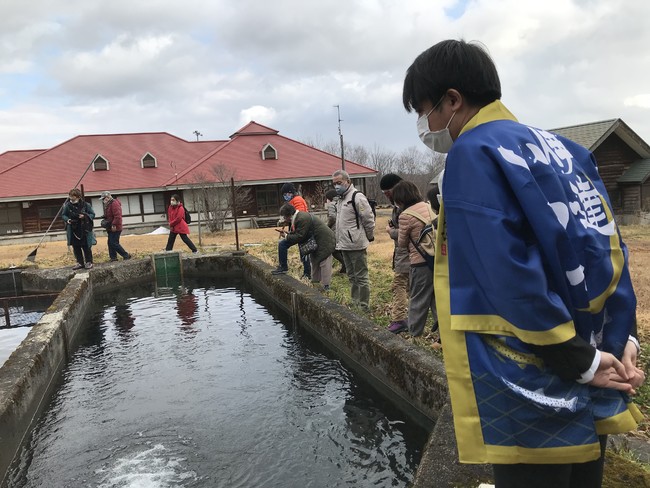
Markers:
point(411, 377)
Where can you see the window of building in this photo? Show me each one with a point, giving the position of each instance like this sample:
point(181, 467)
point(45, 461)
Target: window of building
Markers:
point(159, 203)
point(100, 163)
point(269, 152)
point(148, 161)
point(130, 205)
point(48, 212)
point(10, 218)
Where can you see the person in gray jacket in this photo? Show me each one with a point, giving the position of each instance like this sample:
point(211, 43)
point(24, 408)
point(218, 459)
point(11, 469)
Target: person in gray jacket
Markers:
point(401, 263)
point(354, 230)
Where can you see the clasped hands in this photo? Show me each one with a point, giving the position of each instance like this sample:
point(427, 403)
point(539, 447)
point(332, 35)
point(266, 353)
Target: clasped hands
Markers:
point(620, 375)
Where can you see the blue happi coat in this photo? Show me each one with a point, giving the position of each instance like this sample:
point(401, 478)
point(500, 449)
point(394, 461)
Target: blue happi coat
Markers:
point(527, 253)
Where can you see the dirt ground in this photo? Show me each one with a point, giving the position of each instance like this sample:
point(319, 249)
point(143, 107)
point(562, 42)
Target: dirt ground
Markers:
point(56, 254)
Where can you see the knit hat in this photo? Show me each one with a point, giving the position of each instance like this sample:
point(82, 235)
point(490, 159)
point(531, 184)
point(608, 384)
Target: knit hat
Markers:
point(288, 188)
point(389, 180)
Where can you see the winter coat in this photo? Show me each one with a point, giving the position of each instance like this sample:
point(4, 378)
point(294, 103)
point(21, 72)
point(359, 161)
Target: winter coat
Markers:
point(401, 261)
point(78, 226)
point(302, 225)
point(113, 213)
point(176, 215)
point(410, 228)
point(298, 203)
point(331, 214)
point(349, 236)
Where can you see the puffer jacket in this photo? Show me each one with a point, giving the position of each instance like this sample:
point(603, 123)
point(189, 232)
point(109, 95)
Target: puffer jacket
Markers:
point(299, 203)
point(349, 237)
point(113, 213)
point(176, 215)
point(410, 226)
point(301, 227)
point(401, 260)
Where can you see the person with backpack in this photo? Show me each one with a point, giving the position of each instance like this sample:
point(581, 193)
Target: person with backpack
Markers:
point(354, 230)
point(178, 224)
point(416, 216)
point(78, 216)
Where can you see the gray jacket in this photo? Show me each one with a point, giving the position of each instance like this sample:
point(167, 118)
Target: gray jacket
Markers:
point(349, 235)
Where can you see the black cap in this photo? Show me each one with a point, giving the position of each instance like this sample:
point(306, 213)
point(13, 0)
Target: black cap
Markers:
point(288, 188)
point(389, 180)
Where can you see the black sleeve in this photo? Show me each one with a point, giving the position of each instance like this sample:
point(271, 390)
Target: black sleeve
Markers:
point(569, 359)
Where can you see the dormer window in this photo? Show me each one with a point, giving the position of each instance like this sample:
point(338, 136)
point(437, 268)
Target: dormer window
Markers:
point(148, 161)
point(100, 163)
point(269, 152)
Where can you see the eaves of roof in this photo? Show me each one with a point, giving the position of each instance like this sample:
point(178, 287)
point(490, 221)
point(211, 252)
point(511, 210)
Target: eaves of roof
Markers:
point(593, 134)
point(637, 173)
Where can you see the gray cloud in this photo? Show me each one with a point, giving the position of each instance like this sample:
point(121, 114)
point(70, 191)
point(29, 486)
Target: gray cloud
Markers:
point(81, 67)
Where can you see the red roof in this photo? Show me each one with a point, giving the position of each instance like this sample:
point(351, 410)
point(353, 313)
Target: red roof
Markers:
point(10, 158)
point(55, 171)
point(242, 156)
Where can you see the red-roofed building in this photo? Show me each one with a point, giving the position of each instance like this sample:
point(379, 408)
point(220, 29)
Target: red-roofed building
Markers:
point(143, 170)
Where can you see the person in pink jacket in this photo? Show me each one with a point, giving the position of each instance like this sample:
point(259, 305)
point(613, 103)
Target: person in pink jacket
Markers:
point(422, 299)
point(177, 225)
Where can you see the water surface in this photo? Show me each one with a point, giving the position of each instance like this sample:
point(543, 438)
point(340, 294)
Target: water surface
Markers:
point(209, 387)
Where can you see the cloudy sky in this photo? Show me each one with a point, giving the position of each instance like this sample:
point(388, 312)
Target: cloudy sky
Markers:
point(87, 66)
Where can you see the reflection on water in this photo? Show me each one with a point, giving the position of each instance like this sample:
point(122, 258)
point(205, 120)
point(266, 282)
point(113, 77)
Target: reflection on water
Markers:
point(207, 387)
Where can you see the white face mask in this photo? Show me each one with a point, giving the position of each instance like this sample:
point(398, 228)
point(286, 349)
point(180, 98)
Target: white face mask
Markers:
point(440, 140)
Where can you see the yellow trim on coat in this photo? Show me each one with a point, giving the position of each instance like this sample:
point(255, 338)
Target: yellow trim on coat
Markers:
point(497, 325)
point(623, 422)
point(492, 111)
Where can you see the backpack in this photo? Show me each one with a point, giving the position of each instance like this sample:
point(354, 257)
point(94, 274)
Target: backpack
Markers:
point(188, 216)
point(372, 203)
point(426, 243)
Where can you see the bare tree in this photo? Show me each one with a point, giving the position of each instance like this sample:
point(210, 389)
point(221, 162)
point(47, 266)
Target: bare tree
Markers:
point(212, 193)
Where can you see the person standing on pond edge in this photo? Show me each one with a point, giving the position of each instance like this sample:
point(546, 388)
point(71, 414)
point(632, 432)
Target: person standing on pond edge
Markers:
point(78, 216)
point(401, 263)
point(354, 230)
point(412, 220)
point(533, 291)
point(113, 219)
point(177, 224)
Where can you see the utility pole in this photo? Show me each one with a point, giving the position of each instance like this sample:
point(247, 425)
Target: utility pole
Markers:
point(197, 134)
point(338, 109)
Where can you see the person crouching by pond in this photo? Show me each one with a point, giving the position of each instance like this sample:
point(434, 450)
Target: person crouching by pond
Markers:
point(78, 216)
point(302, 225)
point(177, 224)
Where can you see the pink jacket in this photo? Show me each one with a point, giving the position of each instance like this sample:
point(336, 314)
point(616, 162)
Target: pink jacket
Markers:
point(411, 226)
point(176, 215)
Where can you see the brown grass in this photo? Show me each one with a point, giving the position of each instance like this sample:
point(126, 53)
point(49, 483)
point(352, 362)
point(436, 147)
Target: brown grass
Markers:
point(255, 241)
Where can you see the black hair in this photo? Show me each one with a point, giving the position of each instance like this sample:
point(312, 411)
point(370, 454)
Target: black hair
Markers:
point(389, 180)
point(176, 197)
point(432, 196)
point(406, 194)
point(462, 66)
point(287, 210)
point(330, 194)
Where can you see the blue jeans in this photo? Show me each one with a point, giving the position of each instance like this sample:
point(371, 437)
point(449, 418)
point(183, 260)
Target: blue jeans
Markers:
point(114, 247)
point(283, 257)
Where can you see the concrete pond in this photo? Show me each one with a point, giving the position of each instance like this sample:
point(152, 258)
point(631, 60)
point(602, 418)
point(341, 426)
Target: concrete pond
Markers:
point(409, 377)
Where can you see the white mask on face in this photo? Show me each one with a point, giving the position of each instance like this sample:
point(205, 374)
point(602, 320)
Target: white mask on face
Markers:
point(440, 140)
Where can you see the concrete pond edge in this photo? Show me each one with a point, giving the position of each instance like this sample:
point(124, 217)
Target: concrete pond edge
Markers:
point(409, 376)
